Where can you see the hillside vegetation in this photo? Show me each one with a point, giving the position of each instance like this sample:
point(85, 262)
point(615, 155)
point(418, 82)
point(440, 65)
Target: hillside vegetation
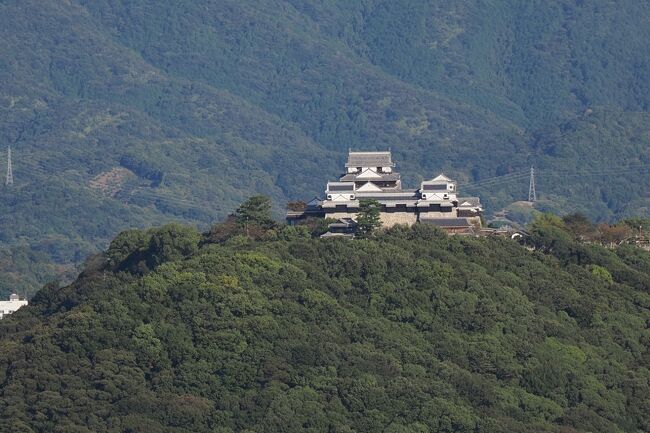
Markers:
point(124, 114)
point(409, 331)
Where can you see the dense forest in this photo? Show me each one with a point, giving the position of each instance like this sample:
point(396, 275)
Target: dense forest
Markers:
point(258, 327)
point(124, 114)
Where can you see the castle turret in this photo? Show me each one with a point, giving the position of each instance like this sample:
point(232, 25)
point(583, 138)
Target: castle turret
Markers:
point(372, 169)
point(440, 188)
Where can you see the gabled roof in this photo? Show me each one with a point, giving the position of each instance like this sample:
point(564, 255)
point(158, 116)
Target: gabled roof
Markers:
point(369, 187)
point(316, 201)
point(441, 178)
point(369, 159)
point(338, 198)
point(469, 201)
point(368, 174)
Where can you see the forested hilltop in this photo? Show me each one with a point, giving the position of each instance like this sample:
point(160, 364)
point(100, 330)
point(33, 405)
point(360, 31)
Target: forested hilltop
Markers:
point(261, 328)
point(126, 114)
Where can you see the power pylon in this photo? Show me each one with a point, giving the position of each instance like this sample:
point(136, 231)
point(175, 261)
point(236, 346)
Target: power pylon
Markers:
point(10, 172)
point(532, 194)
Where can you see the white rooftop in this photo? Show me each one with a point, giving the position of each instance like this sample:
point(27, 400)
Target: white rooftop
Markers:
point(10, 306)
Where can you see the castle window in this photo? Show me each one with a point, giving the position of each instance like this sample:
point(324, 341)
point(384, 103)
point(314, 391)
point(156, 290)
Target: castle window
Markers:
point(347, 187)
point(435, 187)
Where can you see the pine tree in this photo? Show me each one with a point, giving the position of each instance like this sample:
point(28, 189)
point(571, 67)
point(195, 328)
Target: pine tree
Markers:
point(368, 217)
point(256, 210)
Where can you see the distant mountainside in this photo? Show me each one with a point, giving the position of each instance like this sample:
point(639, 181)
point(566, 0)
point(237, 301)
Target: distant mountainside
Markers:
point(126, 114)
point(412, 331)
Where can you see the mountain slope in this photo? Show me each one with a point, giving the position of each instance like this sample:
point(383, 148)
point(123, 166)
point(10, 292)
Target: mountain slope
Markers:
point(412, 332)
point(127, 113)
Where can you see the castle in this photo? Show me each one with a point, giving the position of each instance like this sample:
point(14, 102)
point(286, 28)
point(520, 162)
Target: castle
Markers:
point(372, 175)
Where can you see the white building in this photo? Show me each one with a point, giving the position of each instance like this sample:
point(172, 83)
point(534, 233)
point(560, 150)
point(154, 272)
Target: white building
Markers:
point(372, 175)
point(13, 304)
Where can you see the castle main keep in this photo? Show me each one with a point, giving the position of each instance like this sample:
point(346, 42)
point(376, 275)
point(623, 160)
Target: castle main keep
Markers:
point(372, 175)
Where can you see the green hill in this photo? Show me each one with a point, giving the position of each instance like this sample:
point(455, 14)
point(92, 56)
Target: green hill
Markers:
point(125, 114)
point(411, 331)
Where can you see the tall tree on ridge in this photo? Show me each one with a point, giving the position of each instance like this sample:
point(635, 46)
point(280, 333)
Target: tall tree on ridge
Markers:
point(256, 210)
point(368, 220)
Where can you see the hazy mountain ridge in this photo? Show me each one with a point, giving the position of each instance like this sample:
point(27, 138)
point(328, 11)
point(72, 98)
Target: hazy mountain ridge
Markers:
point(224, 100)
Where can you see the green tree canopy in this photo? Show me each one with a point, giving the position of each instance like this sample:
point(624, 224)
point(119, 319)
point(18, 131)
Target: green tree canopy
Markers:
point(410, 330)
point(579, 225)
point(256, 210)
point(368, 219)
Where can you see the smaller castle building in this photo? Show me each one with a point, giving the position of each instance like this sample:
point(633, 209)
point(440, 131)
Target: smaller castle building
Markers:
point(372, 175)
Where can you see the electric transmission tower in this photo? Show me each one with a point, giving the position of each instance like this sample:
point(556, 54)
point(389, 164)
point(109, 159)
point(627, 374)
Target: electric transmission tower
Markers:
point(532, 194)
point(10, 172)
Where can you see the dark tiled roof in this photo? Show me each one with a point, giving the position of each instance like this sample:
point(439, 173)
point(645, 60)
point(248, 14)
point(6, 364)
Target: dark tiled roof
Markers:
point(314, 202)
point(336, 235)
point(343, 223)
point(369, 159)
point(447, 222)
point(349, 187)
